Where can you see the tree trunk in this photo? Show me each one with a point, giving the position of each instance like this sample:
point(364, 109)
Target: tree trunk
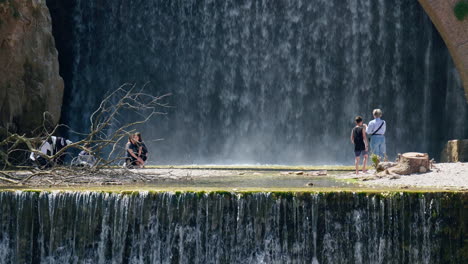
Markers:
point(411, 162)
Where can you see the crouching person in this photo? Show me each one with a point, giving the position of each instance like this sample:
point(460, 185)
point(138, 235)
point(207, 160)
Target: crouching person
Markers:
point(142, 149)
point(132, 149)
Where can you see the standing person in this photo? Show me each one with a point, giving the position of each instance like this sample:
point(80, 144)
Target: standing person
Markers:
point(142, 149)
point(131, 148)
point(376, 131)
point(359, 139)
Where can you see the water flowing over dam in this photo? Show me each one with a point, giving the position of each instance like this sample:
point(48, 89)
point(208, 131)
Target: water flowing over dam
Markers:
point(275, 82)
point(339, 227)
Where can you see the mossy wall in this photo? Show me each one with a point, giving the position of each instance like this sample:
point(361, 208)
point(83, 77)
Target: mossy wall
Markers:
point(223, 227)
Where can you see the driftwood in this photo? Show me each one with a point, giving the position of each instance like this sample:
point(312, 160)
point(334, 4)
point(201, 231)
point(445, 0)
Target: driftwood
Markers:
point(385, 165)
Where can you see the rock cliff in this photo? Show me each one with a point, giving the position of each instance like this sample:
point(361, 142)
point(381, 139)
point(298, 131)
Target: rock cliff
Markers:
point(29, 70)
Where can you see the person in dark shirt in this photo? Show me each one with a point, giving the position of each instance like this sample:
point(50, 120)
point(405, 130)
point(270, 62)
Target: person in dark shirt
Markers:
point(131, 148)
point(359, 139)
point(142, 149)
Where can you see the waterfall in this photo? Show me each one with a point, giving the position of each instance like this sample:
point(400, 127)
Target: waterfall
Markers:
point(264, 81)
point(221, 227)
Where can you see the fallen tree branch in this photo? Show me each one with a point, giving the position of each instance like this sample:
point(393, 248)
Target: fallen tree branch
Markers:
point(105, 139)
point(8, 179)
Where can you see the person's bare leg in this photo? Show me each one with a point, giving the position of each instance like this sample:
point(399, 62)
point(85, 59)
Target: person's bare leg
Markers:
point(356, 162)
point(364, 163)
point(137, 163)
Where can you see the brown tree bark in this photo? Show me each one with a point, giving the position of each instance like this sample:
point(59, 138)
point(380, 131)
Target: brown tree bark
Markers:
point(411, 162)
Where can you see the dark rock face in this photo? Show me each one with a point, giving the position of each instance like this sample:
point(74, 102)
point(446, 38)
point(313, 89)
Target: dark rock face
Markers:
point(30, 84)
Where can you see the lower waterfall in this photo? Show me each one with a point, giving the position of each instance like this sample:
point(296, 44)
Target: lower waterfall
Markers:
point(222, 227)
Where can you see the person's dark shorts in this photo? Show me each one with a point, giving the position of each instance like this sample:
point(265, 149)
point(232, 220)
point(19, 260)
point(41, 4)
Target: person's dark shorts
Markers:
point(358, 153)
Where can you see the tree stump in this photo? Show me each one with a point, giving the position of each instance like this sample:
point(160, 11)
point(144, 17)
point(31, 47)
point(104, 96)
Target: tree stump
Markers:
point(411, 162)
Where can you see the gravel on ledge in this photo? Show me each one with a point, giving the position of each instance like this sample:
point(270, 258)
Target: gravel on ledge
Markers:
point(447, 176)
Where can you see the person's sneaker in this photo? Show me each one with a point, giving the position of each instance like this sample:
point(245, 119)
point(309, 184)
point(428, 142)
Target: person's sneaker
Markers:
point(127, 165)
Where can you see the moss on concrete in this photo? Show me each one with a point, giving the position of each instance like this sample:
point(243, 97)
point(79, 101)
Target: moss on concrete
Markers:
point(277, 192)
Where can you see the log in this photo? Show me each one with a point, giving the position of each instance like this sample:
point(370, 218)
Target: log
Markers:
point(385, 165)
point(412, 162)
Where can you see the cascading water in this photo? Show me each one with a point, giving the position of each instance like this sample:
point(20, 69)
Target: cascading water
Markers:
point(90, 227)
point(264, 81)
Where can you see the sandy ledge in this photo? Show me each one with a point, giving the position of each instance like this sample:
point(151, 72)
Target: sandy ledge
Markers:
point(445, 176)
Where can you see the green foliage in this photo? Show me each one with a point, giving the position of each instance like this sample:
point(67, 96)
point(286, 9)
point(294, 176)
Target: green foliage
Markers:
point(222, 193)
point(130, 193)
point(283, 195)
point(16, 13)
point(200, 194)
point(461, 9)
point(14, 9)
point(375, 160)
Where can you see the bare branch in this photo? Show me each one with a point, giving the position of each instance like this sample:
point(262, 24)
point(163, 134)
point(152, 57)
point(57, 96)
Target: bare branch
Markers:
point(107, 131)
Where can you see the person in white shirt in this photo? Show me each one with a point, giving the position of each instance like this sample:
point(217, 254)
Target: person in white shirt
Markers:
point(376, 131)
point(50, 147)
